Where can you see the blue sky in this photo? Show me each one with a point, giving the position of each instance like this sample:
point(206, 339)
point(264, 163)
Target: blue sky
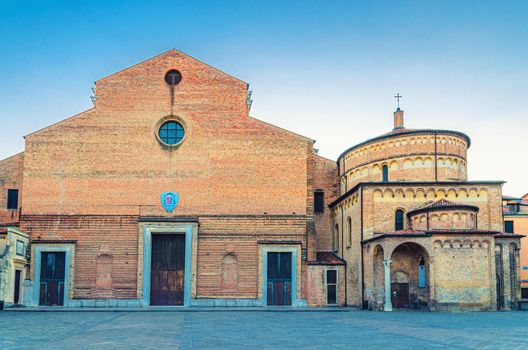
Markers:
point(325, 69)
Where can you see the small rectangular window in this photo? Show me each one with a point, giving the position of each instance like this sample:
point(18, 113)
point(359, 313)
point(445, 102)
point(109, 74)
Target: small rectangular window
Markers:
point(319, 201)
point(12, 199)
point(331, 287)
point(508, 226)
point(524, 293)
point(20, 248)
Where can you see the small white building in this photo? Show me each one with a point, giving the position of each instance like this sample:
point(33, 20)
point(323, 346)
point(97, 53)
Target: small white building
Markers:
point(13, 261)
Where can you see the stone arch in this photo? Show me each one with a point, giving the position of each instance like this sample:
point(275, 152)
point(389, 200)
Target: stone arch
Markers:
point(103, 276)
point(400, 277)
point(428, 162)
point(431, 193)
point(229, 272)
point(411, 272)
point(388, 193)
point(473, 192)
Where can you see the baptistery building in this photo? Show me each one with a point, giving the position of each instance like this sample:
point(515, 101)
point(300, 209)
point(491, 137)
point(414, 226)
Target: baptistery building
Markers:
point(167, 192)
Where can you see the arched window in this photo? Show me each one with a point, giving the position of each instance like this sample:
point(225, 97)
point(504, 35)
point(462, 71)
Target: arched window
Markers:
point(349, 239)
point(385, 173)
point(399, 220)
point(336, 238)
point(421, 273)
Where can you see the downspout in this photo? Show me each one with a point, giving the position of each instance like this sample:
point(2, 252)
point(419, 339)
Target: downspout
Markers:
point(343, 253)
point(342, 231)
point(436, 158)
point(342, 216)
point(361, 247)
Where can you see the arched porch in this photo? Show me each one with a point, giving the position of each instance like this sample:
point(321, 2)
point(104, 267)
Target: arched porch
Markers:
point(400, 275)
point(410, 275)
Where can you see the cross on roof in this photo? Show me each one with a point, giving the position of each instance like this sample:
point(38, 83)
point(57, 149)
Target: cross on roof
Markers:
point(397, 97)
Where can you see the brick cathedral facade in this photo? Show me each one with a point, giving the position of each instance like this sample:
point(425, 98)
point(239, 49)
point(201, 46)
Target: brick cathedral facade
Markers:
point(259, 217)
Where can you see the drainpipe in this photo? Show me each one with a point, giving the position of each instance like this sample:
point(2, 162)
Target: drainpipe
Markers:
point(343, 248)
point(342, 231)
point(361, 249)
point(436, 158)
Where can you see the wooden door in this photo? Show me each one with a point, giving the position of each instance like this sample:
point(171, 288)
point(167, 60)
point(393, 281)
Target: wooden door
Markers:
point(52, 271)
point(279, 282)
point(400, 295)
point(168, 267)
point(16, 294)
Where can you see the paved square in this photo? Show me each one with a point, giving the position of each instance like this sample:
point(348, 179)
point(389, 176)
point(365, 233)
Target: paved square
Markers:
point(263, 330)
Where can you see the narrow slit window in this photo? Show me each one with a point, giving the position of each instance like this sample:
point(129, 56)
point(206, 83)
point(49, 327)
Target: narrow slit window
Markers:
point(399, 220)
point(385, 173)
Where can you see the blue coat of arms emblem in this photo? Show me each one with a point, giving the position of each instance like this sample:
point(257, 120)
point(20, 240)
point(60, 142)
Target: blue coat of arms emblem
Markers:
point(169, 200)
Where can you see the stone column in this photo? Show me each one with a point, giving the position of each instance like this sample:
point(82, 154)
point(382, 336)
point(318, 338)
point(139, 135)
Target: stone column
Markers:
point(387, 306)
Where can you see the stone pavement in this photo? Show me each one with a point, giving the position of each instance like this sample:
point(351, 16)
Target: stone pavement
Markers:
point(263, 330)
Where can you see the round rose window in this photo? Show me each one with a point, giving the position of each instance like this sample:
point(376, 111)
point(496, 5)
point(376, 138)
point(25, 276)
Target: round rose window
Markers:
point(171, 133)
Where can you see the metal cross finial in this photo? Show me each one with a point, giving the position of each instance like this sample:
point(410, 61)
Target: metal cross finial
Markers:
point(397, 97)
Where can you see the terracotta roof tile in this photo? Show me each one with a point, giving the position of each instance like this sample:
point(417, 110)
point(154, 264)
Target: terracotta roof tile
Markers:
point(442, 203)
point(327, 258)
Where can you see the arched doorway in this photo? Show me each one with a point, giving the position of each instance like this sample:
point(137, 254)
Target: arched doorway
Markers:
point(410, 276)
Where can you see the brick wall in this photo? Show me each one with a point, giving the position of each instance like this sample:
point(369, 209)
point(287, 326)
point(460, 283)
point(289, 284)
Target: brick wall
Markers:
point(11, 174)
point(91, 178)
point(410, 156)
point(385, 200)
point(326, 179)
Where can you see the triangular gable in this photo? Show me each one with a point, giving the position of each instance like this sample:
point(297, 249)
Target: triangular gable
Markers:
point(162, 56)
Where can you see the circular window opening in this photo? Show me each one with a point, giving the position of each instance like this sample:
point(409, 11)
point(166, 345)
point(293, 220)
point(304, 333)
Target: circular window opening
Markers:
point(171, 133)
point(173, 77)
